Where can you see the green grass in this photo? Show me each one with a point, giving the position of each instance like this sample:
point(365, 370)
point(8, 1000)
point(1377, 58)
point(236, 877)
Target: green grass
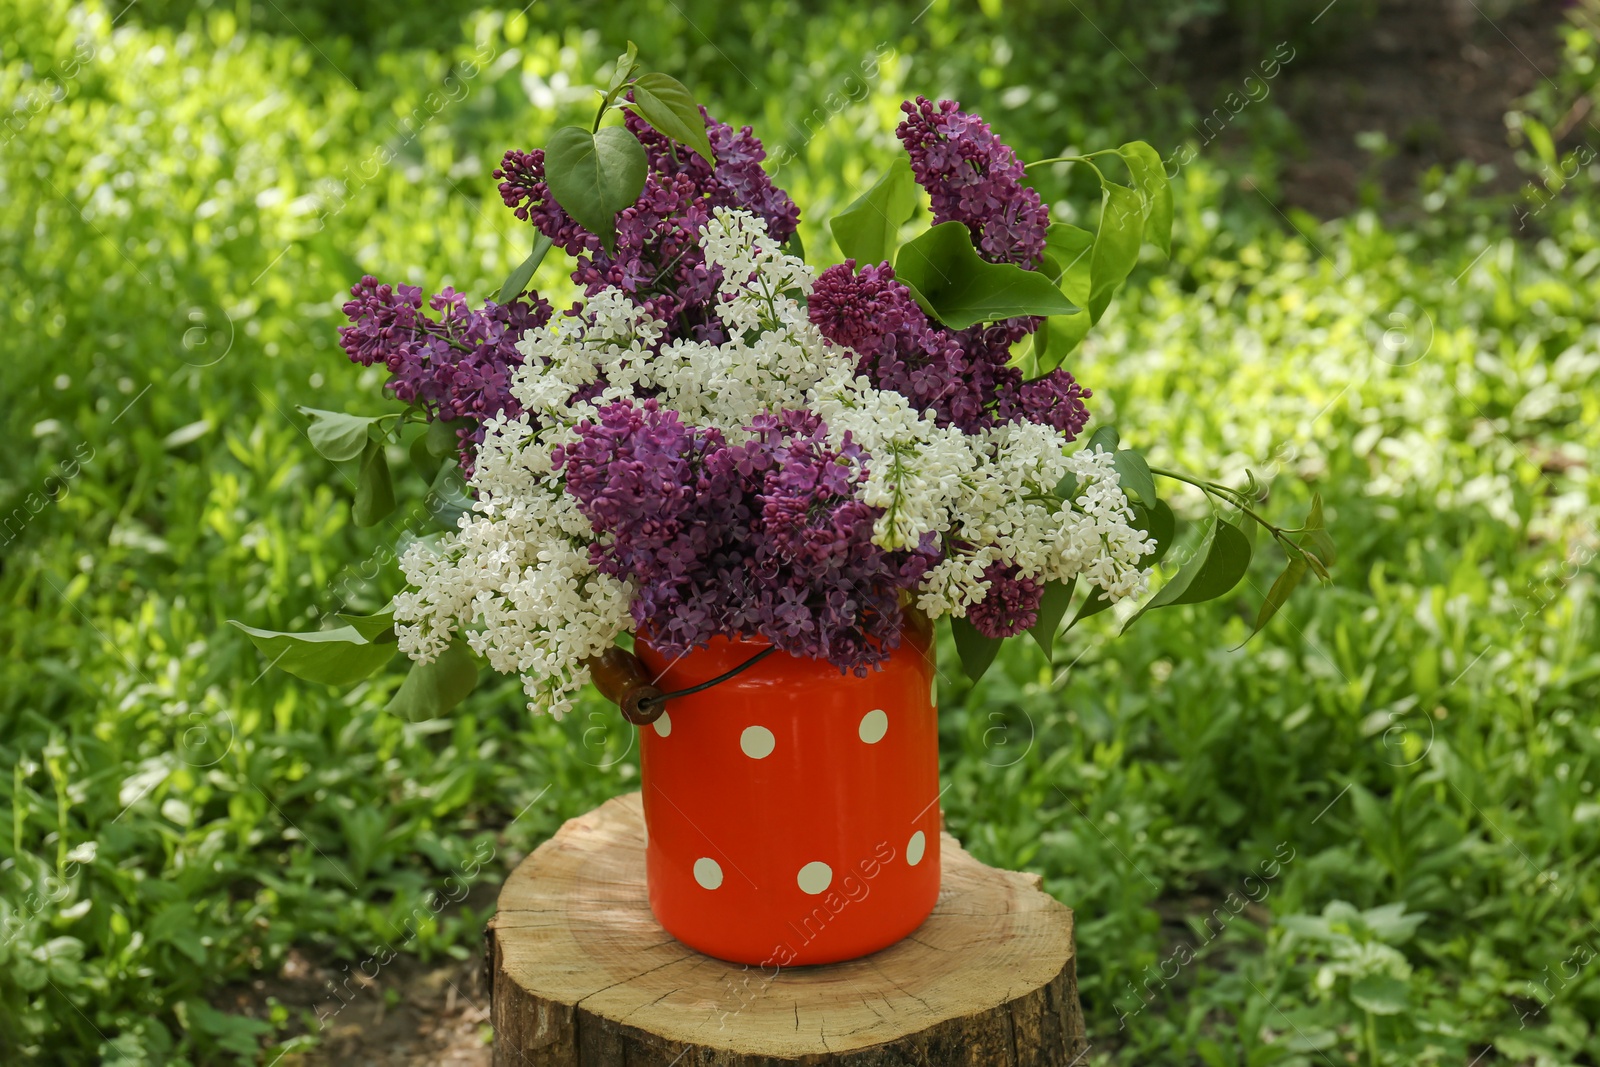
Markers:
point(1369, 836)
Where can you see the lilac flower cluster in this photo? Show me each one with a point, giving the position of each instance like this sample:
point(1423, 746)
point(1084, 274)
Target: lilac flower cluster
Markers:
point(456, 366)
point(961, 374)
point(658, 261)
point(761, 539)
point(974, 178)
point(768, 537)
point(1011, 605)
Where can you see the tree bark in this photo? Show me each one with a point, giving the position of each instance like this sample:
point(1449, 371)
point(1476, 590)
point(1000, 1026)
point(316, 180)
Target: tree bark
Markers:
point(581, 975)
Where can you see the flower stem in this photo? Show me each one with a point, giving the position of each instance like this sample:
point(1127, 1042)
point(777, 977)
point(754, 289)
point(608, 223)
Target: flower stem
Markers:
point(1085, 160)
point(1237, 499)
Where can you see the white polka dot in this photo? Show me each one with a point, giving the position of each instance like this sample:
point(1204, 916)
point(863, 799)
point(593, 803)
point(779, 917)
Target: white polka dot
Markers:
point(707, 872)
point(663, 725)
point(874, 724)
point(815, 877)
point(757, 742)
point(915, 848)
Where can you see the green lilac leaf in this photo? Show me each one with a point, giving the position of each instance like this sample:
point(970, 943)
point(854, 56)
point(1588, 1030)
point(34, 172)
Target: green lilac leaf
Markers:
point(432, 689)
point(1317, 538)
point(333, 657)
point(1104, 438)
point(337, 436)
point(963, 288)
point(595, 175)
point(448, 498)
point(441, 437)
point(1067, 261)
point(1159, 523)
point(374, 488)
point(794, 246)
point(1071, 248)
point(1224, 565)
point(1066, 333)
point(976, 650)
point(867, 230)
point(664, 103)
point(1116, 245)
point(426, 463)
point(1150, 179)
point(1052, 606)
point(1134, 474)
point(626, 63)
point(1216, 566)
point(1290, 577)
point(517, 281)
point(378, 628)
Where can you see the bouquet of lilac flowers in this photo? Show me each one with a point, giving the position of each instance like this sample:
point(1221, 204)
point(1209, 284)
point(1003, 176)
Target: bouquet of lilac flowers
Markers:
point(718, 440)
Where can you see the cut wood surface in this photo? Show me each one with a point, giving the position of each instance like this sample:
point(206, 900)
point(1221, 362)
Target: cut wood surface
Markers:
point(582, 974)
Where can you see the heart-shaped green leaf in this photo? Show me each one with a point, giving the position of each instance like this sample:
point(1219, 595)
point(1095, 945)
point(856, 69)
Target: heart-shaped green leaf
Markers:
point(595, 175)
point(337, 436)
point(431, 689)
point(1068, 250)
point(1104, 438)
point(868, 230)
point(1065, 333)
point(1134, 473)
point(448, 498)
point(1116, 245)
point(664, 103)
point(1216, 566)
point(1070, 247)
point(424, 461)
point(374, 488)
point(1318, 541)
point(379, 628)
point(1052, 606)
point(332, 657)
point(442, 438)
point(1160, 524)
point(976, 650)
point(963, 288)
point(1150, 179)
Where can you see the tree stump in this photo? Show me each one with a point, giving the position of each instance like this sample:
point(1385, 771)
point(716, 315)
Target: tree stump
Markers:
point(581, 974)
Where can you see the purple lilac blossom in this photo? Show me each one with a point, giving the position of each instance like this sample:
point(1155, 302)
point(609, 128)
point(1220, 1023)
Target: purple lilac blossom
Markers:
point(763, 539)
point(1011, 605)
point(962, 375)
point(658, 261)
point(974, 178)
point(456, 366)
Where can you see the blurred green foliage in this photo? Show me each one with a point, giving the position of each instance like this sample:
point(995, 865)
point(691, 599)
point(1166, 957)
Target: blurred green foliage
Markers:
point(1369, 836)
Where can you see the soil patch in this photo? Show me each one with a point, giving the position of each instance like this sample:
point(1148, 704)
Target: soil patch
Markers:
point(1434, 77)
